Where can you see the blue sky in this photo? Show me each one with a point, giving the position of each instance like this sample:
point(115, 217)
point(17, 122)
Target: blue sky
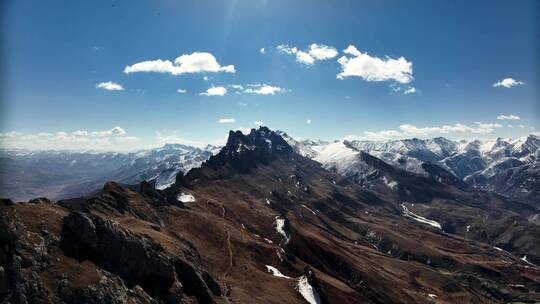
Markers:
point(452, 53)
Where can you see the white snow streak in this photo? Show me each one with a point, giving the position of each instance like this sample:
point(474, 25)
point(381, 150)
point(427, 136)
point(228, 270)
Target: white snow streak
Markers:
point(419, 218)
point(280, 228)
point(307, 291)
point(309, 209)
point(276, 272)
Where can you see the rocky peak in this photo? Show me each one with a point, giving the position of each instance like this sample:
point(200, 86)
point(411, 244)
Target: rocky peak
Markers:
point(263, 139)
point(246, 151)
point(532, 142)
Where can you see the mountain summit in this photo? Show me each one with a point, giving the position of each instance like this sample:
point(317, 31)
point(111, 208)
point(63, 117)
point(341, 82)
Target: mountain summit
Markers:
point(244, 152)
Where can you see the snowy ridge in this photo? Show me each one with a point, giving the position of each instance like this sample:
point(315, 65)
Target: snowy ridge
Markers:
point(481, 164)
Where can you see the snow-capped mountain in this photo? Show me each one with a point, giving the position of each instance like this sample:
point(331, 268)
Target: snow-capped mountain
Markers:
point(59, 174)
point(506, 166)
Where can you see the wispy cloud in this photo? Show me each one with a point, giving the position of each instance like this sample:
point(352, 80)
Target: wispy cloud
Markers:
point(163, 139)
point(80, 139)
point(259, 89)
point(226, 120)
point(181, 91)
point(197, 62)
point(376, 135)
point(308, 121)
point(110, 86)
point(214, 91)
point(508, 83)
point(116, 131)
point(264, 89)
point(410, 90)
point(315, 52)
point(369, 68)
point(508, 117)
point(258, 123)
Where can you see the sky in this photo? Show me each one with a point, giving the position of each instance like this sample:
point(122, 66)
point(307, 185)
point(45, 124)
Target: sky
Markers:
point(121, 75)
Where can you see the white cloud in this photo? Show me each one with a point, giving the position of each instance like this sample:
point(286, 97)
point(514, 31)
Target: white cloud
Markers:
point(308, 121)
point(508, 83)
point(410, 90)
point(226, 120)
point(114, 138)
point(260, 89)
point(123, 139)
point(163, 139)
point(373, 68)
point(480, 128)
point(262, 50)
point(285, 49)
point(116, 131)
point(237, 86)
point(508, 117)
point(205, 78)
point(486, 127)
point(378, 136)
point(322, 52)
point(110, 86)
point(264, 89)
point(214, 91)
point(258, 123)
point(314, 53)
point(408, 131)
point(181, 91)
point(304, 58)
point(197, 62)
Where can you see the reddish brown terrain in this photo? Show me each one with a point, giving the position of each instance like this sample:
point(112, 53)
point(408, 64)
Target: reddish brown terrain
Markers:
point(258, 223)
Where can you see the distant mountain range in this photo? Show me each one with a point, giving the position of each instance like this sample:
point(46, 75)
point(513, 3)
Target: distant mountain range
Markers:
point(507, 167)
point(258, 222)
point(61, 174)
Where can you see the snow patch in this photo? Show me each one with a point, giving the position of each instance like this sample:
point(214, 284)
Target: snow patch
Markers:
point(524, 259)
point(419, 218)
point(276, 272)
point(390, 184)
point(307, 291)
point(185, 198)
point(280, 228)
